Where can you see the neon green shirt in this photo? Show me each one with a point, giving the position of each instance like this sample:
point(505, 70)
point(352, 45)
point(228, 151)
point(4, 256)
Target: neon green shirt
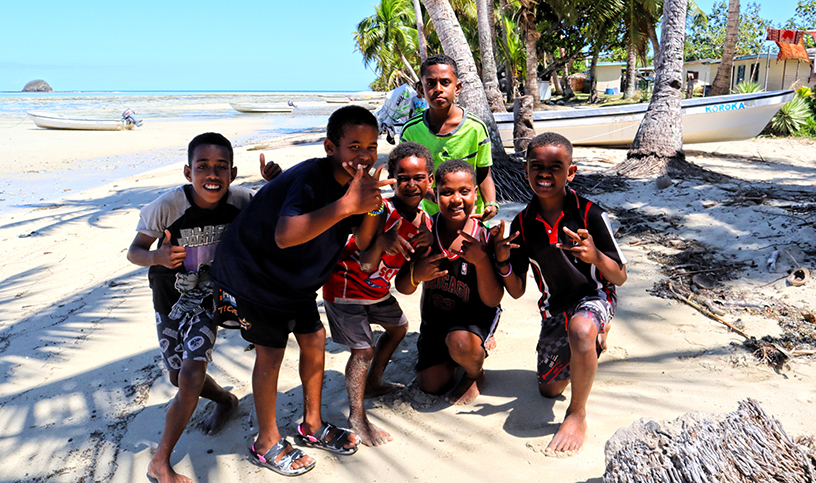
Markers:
point(469, 141)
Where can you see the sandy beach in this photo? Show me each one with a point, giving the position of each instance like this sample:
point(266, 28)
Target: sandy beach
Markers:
point(83, 394)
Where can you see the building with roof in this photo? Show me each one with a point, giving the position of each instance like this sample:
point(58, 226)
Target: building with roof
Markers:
point(771, 74)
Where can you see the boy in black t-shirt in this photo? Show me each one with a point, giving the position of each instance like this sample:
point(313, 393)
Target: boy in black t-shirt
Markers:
point(275, 256)
point(460, 289)
point(188, 222)
point(576, 264)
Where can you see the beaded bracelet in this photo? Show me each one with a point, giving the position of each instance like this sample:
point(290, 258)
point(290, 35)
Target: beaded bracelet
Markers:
point(412, 276)
point(379, 211)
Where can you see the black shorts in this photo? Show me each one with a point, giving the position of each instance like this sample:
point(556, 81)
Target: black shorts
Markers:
point(271, 328)
point(431, 343)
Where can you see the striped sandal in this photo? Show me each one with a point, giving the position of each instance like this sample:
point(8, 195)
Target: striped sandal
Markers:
point(320, 439)
point(284, 466)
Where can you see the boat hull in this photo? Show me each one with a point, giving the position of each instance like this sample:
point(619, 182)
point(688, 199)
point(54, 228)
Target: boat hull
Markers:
point(262, 107)
point(57, 122)
point(705, 120)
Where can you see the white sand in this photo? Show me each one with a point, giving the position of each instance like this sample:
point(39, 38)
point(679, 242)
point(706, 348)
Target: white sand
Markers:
point(83, 397)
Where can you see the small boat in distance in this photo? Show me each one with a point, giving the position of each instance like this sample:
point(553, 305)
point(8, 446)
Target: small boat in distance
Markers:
point(274, 107)
point(705, 120)
point(51, 121)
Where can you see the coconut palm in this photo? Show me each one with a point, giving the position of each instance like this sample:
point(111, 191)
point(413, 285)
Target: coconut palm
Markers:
point(527, 19)
point(389, 31)
point(423, 44)
point(489, 77)
point(722, 81)
point(514, 54)
point(659, 140)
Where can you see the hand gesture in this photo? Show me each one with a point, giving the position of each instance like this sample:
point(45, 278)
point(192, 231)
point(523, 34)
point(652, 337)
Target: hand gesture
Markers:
point(169, 256)
point(392, 243)
point(426, 266)
point(424, 238)
point(489, 212)
point(501, 244)
point(364, 192)
point(583, 248)
point(269, 170)
point(474, 250)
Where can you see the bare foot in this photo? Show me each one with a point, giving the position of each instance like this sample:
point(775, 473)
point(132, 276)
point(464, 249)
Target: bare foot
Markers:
point(570, 436)
point(370, 434)
point(219, 416)
point(381, 389)
point(491, 344)
point(467, 390)
point(164, 473)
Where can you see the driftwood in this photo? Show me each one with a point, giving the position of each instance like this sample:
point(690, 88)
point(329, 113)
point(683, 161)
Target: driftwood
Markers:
point(743, 446)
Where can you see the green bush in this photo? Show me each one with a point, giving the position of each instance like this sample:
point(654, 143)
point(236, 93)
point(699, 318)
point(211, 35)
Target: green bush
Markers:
point(791, 117)
point(808, 130)
point(747, 87)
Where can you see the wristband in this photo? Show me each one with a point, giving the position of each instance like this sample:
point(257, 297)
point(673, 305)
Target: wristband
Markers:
point(412, 276)
point(508, 273)
point(378, 211)
point(493, 203)
point(502, 264)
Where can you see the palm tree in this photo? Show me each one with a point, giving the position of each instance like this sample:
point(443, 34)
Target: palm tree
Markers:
point(527, 18)
point(423, 44)
point(722, 81)
point(514, 55)
point(390, 31)
point(639, 19)
point(489, 77)
point(659, 140)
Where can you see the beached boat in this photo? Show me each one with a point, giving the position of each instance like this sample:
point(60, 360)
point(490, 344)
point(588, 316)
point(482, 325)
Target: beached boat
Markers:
point(705, 120)
point(51, 121)
point(275, 107)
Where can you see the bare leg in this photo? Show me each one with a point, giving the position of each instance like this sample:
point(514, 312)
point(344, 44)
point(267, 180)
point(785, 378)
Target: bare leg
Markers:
point(436, 379)
point(583, 337)
point(190, 381)
point(386, 346)
point(225, 403)
point(265, 391)
point(312, 359)
point(356, 371)
point(466, 350)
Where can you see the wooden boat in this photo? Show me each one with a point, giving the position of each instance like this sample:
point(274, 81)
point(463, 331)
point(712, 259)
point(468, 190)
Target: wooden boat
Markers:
point(705, 120)
point(51, 121)
point(275, 107)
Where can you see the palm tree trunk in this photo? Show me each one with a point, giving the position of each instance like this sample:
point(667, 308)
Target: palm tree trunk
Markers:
point(659, 140)
point(531, 86)
point(423, 44)
point(510, 87)
point(408, 68)
point(593, 90)
point(554, 77)
point(489, 77)
point(472, 96)
point(722, 81)
point(631, 70)
point(653, 39)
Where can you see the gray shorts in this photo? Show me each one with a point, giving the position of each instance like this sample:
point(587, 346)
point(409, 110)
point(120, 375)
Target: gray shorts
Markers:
point(186, 338)
point(553, 343)
point(350, 324)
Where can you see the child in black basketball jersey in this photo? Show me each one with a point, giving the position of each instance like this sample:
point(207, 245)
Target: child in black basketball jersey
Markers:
point(460, 289)
point(576, 264)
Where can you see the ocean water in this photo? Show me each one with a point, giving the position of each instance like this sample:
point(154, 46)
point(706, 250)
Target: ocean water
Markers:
point(29, 190)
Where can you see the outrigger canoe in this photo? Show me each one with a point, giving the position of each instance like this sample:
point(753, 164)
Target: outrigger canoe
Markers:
point(705, 120)
point(278, 107)
point(51, 121)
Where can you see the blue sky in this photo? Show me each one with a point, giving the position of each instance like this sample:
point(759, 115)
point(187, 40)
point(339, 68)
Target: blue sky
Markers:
point(204, 45)
point(777, 11)
point(181, 45)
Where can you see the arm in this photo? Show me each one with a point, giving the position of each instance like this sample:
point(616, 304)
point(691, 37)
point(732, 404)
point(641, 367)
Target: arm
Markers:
point(515, 284)
point(362, 196)
point(167, 255)
point(476, 251)
point(586, 251)
point(368, 229)
point(485, 178)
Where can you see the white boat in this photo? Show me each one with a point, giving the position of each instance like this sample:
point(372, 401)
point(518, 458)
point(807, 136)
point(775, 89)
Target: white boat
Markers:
point(705, 120)
point(52, 121)
point(275, 107)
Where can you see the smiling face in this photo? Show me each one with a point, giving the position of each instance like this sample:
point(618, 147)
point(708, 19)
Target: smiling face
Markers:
point(357, 146)
point(548, 169)
point(456, 195)
point(210, 171)
point(440, 86)
point(413, 180)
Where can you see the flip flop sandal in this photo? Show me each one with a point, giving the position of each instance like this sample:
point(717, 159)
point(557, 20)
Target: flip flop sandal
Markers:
point(319, 439)
point(799, 277)
point(284, 466)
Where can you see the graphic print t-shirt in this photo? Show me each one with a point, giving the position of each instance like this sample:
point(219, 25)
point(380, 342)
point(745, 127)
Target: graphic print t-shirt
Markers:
point(182, 290)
